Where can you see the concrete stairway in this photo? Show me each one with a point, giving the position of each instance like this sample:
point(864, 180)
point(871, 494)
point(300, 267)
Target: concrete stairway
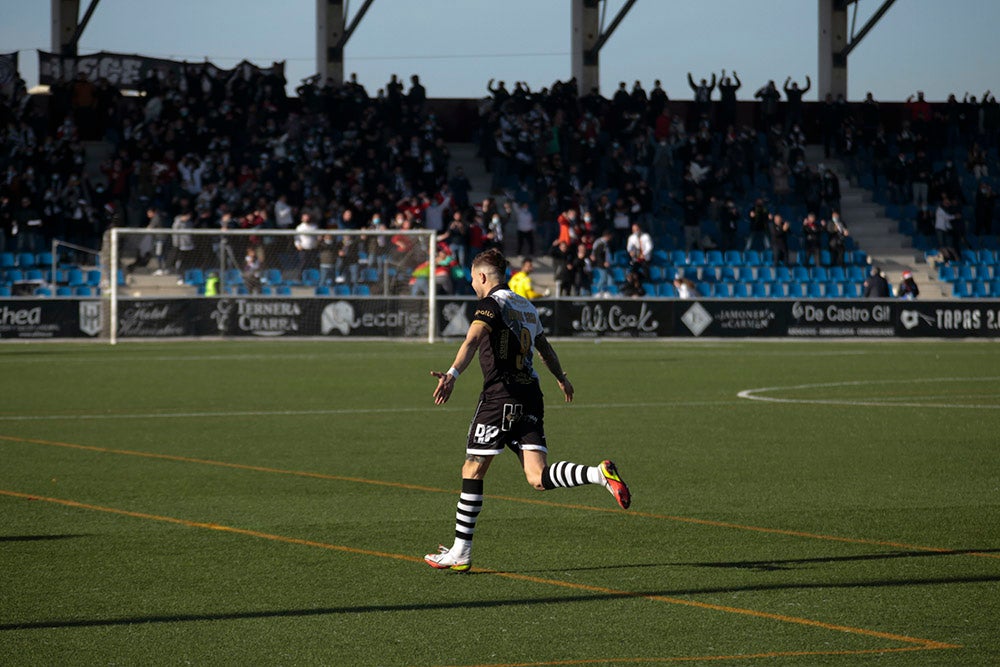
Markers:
point(464, 155)
point(878, 235)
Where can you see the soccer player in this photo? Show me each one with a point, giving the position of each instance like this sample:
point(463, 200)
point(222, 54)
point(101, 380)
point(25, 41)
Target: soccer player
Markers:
point(506, 331)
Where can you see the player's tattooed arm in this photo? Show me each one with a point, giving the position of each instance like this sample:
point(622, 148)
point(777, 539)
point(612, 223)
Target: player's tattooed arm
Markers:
point(551, 360)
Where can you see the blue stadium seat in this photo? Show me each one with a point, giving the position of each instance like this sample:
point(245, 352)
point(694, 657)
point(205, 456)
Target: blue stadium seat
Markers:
point(660, 258)
point(752, 258)
point(727, 274)
point(767, 273)
point(833, 289)
point(987, 256)
point(650, 289)
point(782, 273)
point(819, 274)
point(678, 258)
point(966, 272)
point(83, 290)
point(194, 277)
point(837, 273)
point(796, 290)
point(4, 291)
point(760, 290)
point(618, 274)
point(657, 274)
point(75, 278)
point(43, 291)
point(25, 260)
point(310, 277)
point(7, 260)
point(620, 258)
point(779, 290)
point(696, 258)
point(741, 290)
point(362, 290)
point(723, 290)
point(666, 290)
point(984, 272)
point(856, 274)
point(801, 274)
point(284, 290)
point(14, 275)
point(44, 260)
point(960, 289)
point(340, 289)
point(732, 258)
point(981, 289)
point(814, 290)
point(714, 258)
point(947, 273)
point(969, 256)
point(852, 290)
point(62, 290)
point(824, 258)
point(704, 289)
point(34, 275)
point(94, 278)
point(273, 277)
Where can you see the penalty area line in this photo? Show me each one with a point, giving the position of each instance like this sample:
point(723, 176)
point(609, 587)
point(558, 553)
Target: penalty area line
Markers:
point(915, 642)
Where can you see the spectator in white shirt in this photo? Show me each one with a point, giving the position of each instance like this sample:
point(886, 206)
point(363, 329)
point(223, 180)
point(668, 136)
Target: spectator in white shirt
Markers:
point(639, 245)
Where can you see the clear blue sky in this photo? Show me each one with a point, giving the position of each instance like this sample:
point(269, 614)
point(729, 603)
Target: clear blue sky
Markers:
point(457, 45)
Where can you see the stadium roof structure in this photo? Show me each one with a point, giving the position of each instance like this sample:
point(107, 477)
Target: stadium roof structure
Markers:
point(587, 26)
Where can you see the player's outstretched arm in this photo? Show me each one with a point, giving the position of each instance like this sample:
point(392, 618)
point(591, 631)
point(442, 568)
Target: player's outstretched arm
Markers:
point(551, 359)
point(446, 380)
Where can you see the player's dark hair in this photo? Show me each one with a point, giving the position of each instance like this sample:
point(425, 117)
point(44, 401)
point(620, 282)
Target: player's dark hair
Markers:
point(493, 260)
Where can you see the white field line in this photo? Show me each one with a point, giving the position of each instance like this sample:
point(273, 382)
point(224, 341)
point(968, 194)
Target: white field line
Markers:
point(877, 402)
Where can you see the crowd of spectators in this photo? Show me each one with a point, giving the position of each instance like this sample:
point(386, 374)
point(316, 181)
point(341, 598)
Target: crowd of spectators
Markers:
point(579, 177)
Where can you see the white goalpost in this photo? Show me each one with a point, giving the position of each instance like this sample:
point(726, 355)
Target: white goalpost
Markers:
point(271, 282)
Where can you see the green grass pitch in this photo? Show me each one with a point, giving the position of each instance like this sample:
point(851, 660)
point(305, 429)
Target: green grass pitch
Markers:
point(822, 503)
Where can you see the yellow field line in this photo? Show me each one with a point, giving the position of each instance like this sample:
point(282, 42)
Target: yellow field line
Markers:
point(916, 641)
point(514, 499)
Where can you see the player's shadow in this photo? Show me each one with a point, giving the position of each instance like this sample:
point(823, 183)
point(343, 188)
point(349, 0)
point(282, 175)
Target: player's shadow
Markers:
point(596, 596)
point(36, 538)
point(768, 565)
point(797, 563)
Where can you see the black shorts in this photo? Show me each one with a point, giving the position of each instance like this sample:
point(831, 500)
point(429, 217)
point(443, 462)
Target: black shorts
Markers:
point(506, 422)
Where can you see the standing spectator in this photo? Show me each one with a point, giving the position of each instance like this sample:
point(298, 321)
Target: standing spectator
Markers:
point(583, 272)
point(306, 244)
point(601, 257)
point(837, 233)
point(830, 191)
point(760, 218)
point(779, 239)
point(908, 287)
point(183, 245)
point(769, 98)
point(727, 102)
point(525, 224)
point(943, 220)
point(985, 201)
point(793, 95)
point(702, 98)
point(729, 221)
point(639, 245)
point(812, 236)
point(920, 170)
point(876, 286)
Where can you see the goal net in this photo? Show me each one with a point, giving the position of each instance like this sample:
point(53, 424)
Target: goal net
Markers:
point(267, 282)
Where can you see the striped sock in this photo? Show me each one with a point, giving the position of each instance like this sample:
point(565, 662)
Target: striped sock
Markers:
point(566, 474)
point(470, 504)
